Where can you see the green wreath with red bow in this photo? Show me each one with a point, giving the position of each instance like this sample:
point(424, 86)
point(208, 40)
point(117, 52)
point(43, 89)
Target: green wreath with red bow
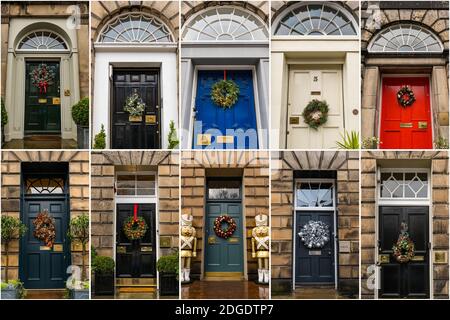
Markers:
point(405, 96)
point(135, 228)
point(230, 229)
point(42, 77)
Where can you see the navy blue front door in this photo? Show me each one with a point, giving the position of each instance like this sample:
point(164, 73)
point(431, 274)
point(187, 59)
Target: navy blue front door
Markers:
point(223, 255)
point(225, 128)
point(42, 267)
point(314, 265)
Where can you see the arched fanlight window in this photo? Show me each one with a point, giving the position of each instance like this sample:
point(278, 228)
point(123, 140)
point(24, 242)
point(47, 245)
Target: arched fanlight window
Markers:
point(42, 40)
point(315, 19)
point(225, 24)
point(135, 28)
point(405, 37)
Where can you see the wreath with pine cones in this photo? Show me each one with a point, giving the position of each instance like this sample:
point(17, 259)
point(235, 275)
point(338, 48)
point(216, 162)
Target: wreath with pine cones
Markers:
point(44, 228)
point(315, 113)
point(405, 96)
point(224, 233)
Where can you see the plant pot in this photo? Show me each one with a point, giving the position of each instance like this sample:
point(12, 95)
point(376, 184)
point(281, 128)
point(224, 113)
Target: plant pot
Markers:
point(10, 294)
point(83, 137)
point(135, 118)
point(168, 284)
point(104, 284)
point(79, 294)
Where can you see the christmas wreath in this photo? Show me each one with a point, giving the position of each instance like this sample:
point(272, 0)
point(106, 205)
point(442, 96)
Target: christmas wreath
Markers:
point(224, 233)
point(225, 93)
point(314, 234)
point(315, 113)
point(405, 96)
point(135, 228)
point(42, 77)
point(403, 250)
point(134, 105)
point(44, 228)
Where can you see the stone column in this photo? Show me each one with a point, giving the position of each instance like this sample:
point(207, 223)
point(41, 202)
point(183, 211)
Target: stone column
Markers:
point(369, 108)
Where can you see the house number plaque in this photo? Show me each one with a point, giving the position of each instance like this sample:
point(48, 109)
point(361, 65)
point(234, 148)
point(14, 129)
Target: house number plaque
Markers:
point(58, 247)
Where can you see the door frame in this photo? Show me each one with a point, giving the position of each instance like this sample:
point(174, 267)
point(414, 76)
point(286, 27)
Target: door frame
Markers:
point(252, 68)
point(406, 75)
point(244, 226)
point(335, 236)
point(112, 67)
point(139, 200)
point(62, 197)
point(402, 202)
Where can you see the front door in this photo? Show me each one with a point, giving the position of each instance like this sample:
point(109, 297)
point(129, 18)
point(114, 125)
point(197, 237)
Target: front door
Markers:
point(406, 127)
point(42, 267)
point(306, 84)
point(143, 132)
point(403, 280)
point(225, 128)
point(136, 258)
point(42, 98)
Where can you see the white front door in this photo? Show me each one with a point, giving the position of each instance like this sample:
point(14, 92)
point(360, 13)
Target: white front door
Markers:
point(305, 84)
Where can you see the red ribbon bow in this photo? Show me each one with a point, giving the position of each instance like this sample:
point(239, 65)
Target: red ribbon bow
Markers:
point(135, 212)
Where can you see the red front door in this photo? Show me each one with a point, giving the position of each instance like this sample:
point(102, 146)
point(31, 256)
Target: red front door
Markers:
point(406, 127)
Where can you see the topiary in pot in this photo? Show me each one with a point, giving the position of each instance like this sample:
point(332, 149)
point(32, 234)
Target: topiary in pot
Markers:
point(79, 233)
point(168, 267)
point(80, 115)
point(100, 139)
point(104, 275)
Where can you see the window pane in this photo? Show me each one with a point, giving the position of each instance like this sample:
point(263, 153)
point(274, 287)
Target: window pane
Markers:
point(42, 40)
point(315, 194)
point(44, 186)
point(224, 189)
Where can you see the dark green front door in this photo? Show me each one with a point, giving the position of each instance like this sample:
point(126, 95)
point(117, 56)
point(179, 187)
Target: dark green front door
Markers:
point(223, 255)
point(42, 267)
point(42, 103)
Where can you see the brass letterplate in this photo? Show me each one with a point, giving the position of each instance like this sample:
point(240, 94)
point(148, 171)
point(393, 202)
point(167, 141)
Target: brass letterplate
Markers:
point(233, 240)
point(383, 258)
point(315, 252)
point(225, 139)
point(121, 249)
point(44, 248)
point(294, 120)
point(418, 258)
point(150, 119)
point(58, 247)
point(42, 100)
point(422, 124)
point(211, 240)
point(315, 93)
point(56, 101)
point(406, 124)
point(146, 249)
point(203, 139)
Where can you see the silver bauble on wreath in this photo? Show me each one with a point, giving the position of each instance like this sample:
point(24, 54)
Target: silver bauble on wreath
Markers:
point(315, 234)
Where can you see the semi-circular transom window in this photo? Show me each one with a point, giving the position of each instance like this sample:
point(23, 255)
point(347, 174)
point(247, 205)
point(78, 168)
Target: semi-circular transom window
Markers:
point(42, 41)
point(225, 24)
point(135, 28)
point(315, 20)
point(405, 38)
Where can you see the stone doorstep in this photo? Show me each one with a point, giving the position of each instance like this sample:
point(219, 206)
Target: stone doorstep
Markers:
point(135, 282)
point(45, 294)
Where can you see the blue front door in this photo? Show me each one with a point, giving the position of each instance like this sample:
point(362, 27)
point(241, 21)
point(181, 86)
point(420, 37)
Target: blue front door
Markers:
point(314, 265)
point(223, 255)
point(225, 128)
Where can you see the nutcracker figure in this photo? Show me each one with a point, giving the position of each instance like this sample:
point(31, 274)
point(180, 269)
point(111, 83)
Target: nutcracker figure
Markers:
point(188, 246)
point(260, 247)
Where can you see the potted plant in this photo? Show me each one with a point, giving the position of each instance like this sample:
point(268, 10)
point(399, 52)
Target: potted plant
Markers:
point(172, 136)
point(12, 229)
point(4, 119)
point(79, 233)
point(100, 139)
point(103, 268)
point(168, 267)
point(80, 115)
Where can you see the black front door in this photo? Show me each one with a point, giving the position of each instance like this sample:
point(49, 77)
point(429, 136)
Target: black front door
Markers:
point(136, 258)
point(42, 98)
point(404, 280)
point(314, 265)
point(42, 267)
point(131, 133)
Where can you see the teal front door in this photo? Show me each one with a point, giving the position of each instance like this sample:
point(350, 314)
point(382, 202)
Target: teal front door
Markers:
point(42, 98)
point(223, 255)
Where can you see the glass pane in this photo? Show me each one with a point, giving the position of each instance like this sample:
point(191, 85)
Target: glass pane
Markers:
point(404, 185)
point(42, 40)
point(315, 194)
point(45, 186)
point(224, 189)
